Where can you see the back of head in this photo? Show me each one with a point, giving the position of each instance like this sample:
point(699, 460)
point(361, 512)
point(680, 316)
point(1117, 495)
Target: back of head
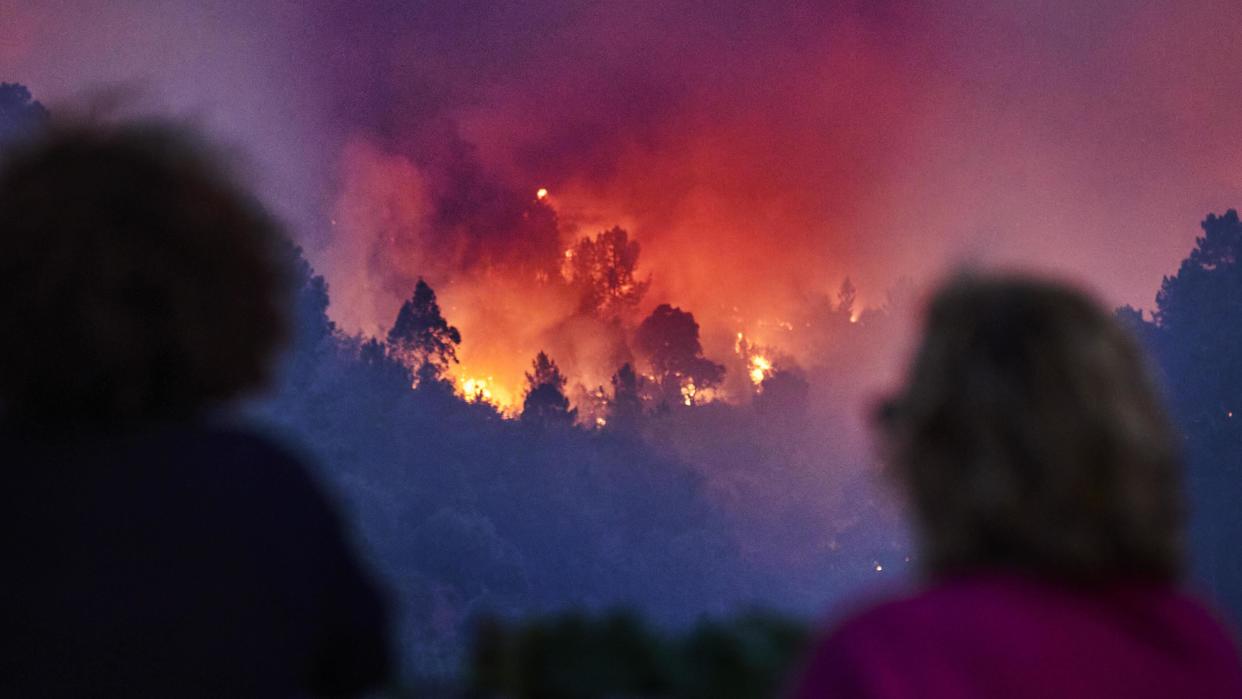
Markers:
point(1030, 437)
point(144, 282)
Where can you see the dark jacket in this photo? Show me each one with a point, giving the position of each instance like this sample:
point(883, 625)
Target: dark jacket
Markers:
point(178, 561)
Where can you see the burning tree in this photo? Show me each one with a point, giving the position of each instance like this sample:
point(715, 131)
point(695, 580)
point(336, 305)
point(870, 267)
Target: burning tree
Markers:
point(669, 338)
point(545, 395)
point(421, 337)
point(602, 270)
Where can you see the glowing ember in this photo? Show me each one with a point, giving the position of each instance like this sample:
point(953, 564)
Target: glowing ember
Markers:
point(542, 193)
point(688, 390)
point(476, 390)
point(760, 369)
point(758, 366)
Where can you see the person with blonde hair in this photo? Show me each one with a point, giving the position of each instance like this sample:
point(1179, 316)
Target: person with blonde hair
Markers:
point(1045, 486)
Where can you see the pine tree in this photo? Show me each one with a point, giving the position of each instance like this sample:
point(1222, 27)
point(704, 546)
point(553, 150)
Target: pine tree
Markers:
point(422, 338)
point(545, 395)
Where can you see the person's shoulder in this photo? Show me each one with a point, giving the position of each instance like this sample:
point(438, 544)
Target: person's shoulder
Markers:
point(914, 603)
point(861, 648)
point(231, 444)
point(240, 437)
point(233, 457)
point(931, 611)
point(868, 624)
point(1207, 627)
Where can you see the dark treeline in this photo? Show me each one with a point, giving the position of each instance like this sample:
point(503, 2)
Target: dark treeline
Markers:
point(667, 508)
point(1195, 336)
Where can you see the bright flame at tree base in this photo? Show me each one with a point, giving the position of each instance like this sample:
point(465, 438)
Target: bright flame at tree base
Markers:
point(486, 390)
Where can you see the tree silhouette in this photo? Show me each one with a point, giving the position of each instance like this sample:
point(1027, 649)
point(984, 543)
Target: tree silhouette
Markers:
point(1196, 334)
point(421, 337)
point(626, 406)
point(545, 395)
point(669, 339)
point(602, 270)
point(20, 113)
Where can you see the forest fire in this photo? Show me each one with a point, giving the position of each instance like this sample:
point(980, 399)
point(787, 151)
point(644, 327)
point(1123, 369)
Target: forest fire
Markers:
point(760, 369)
point(759, 366)
point(517, 280)
point(486, 390)
point(586, 334)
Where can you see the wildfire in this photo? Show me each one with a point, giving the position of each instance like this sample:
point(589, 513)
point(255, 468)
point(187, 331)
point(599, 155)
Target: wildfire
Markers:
point(542, 193)
point(760, 369)
point(758, 366)
point(486, 390)
point(688, 391)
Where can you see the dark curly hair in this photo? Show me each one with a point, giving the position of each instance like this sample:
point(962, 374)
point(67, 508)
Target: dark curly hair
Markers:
point(1030, 437)
point(144, 281)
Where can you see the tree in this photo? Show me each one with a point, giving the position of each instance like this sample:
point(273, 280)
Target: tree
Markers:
point(421, 337)
point(1199, 310)
point(602, 271)
point(310, 345)
point(545, 395)
point(20, 113)
point(669, 339)
point(626, 405)
point(1196, 334)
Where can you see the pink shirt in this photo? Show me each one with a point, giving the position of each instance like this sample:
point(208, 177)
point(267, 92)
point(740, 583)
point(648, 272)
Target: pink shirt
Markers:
point(1009, 637)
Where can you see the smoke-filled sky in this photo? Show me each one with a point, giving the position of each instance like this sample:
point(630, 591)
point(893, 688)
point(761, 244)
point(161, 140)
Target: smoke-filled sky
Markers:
point(758, 151)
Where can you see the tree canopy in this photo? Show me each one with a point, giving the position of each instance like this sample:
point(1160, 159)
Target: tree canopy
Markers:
point(669, 339)
point(602, 269)
point(545, 394)
point(1196, 336)
point(421, 337)
point(20, 113)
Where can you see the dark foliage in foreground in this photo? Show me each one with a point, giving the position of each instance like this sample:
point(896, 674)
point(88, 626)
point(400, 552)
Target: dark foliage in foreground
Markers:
point(617, 655)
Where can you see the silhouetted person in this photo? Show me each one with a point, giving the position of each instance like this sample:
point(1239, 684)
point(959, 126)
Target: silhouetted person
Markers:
point(1046, 490)
point(146, 548)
